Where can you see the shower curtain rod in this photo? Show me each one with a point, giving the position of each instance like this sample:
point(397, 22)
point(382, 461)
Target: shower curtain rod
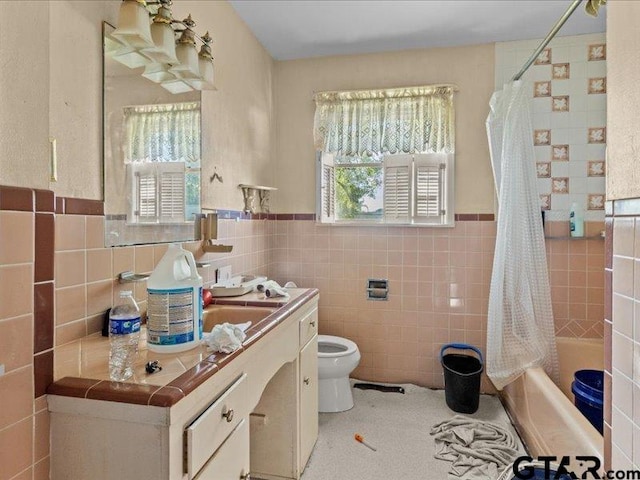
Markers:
point(547, 39)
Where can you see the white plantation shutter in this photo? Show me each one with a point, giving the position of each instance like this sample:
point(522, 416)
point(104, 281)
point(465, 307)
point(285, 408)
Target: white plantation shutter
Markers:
point(172, 191)
point(430, 188)
point(147, 208)
point(417, 189)
point(398, 174)
point(158, 192)
point(327, 191)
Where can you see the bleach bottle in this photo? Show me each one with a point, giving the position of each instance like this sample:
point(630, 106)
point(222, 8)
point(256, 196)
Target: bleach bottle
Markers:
point(174, 303)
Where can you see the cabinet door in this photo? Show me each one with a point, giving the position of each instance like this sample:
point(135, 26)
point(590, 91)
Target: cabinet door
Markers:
point(231, 461)
point(308, 400)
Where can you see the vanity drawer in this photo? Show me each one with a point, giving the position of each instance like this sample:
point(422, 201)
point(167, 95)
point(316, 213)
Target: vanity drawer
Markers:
point(231, 461)
point(308, 326)
point(210, 429)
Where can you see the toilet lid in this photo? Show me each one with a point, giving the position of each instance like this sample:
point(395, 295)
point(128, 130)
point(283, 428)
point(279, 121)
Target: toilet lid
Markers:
point(330, 346)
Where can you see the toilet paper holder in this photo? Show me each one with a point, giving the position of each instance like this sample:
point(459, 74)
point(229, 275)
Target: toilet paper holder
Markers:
point(377, 289)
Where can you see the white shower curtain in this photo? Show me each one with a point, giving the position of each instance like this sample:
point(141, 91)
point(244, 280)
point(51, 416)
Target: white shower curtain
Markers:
point(520, 332)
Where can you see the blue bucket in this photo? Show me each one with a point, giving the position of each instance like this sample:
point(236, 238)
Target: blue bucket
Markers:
point(588, 387)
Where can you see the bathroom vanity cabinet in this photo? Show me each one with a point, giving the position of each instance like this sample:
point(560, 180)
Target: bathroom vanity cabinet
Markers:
point(250, 414)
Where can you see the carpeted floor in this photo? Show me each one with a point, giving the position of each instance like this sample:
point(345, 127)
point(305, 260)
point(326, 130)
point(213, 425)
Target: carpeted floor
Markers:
point(398, 426)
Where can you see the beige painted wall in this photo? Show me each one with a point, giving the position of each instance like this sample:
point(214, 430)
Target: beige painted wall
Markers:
point(471, 68)
point(24, 94)
point(59, 92)
point(238, 119)
point(75, 96)
point(623, 123)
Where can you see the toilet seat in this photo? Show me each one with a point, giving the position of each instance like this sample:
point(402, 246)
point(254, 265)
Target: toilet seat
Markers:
point(335, 346)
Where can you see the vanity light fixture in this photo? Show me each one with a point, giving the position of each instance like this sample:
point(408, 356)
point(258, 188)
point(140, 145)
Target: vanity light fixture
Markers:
point(146, 37)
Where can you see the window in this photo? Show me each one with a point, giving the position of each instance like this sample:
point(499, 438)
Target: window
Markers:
point(398, 189)
point(162, 159)
point(385, 156)
point(159, 192)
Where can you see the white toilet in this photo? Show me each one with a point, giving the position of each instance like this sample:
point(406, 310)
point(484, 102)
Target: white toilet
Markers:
point(337, 358)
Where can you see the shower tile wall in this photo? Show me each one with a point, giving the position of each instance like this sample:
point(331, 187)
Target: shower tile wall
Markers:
point(568, 86)
point(622, 340)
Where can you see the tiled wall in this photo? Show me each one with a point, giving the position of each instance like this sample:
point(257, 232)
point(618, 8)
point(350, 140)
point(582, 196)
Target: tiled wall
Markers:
point(576, 279)
point(622, 341)
point(439, 288)
point(42, 238)
point(86, 272)
point(26, 331)
point(568, 85)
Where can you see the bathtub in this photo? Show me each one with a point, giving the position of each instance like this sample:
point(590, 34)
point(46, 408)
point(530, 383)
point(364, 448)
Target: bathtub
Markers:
point(543, 412)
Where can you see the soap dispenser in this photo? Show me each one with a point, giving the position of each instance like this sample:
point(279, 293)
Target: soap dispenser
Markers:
point(576, 220)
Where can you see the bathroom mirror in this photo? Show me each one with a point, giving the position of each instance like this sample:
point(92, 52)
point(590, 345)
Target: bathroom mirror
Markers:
point(152, 147)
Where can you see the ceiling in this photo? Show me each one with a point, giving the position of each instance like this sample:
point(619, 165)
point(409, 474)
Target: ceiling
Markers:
point(293, 29)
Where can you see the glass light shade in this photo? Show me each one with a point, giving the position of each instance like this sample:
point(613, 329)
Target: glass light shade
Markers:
point(176, 86)
point(131, 58)
point(158, 73)
point(187, 67)
point(134, 27)
point(164, 49)
point(205, 82)
point(113, 46)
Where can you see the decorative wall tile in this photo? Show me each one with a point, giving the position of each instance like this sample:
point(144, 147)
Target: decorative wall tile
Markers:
point(543, 169)
point(596, 202)
point(560, 185)
point(596, 168)
point(597, 135)
point(560, 104)
point(542, 137)
point(545, 202)
point(563, 112)
point(560, 152)
point(597, 85)
point(560, 71)
point(544, 58)
point(542, 89)
point(597, 52)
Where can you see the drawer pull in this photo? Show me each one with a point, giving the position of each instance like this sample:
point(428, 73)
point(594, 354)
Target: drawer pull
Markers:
point(228, 415)
point(245, 476)
point(306, 380)
point(312, 323)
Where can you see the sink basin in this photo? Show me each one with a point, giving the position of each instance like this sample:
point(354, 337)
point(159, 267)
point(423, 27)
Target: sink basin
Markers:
point(216, 314)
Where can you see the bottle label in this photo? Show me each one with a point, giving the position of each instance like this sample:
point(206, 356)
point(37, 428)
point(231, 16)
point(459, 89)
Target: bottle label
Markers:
point(170, 315)
point(124, 326)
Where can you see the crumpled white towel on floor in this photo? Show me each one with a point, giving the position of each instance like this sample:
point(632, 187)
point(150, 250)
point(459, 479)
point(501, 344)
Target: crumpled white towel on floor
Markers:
point(476, 449)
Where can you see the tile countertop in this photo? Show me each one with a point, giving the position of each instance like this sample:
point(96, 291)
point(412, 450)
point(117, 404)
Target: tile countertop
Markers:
point(81, 367)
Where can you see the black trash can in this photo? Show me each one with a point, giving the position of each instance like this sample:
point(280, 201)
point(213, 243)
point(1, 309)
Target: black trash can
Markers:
point(461, 377)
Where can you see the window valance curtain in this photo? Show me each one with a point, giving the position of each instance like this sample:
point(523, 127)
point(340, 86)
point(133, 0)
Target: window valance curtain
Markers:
point(162, 133)
point(400, 120)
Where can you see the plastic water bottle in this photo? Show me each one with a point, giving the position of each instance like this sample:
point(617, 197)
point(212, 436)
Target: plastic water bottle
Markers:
point(124, 333)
